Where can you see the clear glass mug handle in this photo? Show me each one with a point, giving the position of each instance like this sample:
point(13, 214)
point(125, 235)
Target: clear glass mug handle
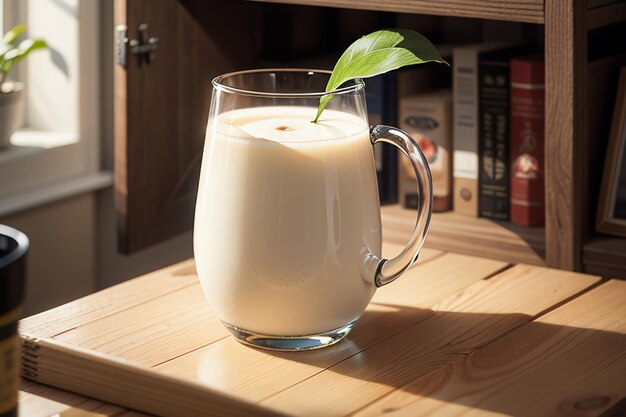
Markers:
point(383, 271)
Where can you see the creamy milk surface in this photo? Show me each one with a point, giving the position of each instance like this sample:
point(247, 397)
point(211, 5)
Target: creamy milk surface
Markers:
point(286, 211)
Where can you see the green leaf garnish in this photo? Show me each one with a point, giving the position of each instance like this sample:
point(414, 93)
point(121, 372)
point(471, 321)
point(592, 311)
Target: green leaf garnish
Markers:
point(377, 53)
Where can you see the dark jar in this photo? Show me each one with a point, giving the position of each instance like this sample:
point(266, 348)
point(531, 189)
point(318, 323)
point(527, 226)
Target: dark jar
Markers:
point(13, 248)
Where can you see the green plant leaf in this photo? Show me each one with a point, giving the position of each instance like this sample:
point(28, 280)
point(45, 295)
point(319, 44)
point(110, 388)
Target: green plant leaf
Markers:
point(29, 45)
point(26, 47)
point(377, 53)
point(13, 33)
point(323, 103)
point(3, 50)
point(9, 55)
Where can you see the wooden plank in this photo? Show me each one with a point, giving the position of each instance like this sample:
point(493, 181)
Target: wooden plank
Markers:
point(598, 17)
point(155, 331)
point(119, 381)
point(111, 300)
point(132, 340)
point(565, 146)
point(38, 400)
point(462, 323)
point(391, 249)
point(572, 361)
point(120, 126)
point(253, 374)
point(133, 312)
point(530, 11)
point(470, 235)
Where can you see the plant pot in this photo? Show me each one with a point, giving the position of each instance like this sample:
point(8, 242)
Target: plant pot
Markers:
point(13, 248)
point(11, 110)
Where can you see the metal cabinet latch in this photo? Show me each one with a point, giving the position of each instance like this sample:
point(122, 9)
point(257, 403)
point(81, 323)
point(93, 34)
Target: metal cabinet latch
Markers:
point(145, 48)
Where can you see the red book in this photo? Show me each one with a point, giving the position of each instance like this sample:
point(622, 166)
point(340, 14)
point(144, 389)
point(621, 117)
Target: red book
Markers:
point(527, 141)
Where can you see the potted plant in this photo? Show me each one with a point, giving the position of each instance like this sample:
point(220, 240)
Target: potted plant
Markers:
point(12, 92)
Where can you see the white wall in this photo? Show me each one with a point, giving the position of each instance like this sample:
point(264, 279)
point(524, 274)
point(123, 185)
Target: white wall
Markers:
point(61, 260)
point(53, 84)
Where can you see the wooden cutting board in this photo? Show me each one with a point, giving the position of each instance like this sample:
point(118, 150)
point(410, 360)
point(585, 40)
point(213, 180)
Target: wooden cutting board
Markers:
point(153, 344)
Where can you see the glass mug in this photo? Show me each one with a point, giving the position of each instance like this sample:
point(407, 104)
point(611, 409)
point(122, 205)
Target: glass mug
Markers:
point(287, 233)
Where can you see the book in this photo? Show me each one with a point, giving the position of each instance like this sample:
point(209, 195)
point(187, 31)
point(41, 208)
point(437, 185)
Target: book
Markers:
point(494, 134)
point(465, 127)
point(382, 105)
point(527, 141)
point(427, 118)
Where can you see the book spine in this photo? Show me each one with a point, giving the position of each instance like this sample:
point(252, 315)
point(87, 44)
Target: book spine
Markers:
point(428, 121)
point(494, 140)
point(527, 143)
point(381, 96)
point(465, 156)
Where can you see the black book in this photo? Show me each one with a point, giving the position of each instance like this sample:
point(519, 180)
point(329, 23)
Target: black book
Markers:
point(494, 136)
point(382, 108)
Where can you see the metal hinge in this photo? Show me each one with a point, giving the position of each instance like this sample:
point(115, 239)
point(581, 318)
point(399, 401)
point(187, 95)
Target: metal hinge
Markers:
point(145, 48)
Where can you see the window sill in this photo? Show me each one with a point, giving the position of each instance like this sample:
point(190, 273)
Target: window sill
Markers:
point(56, 191)
point(27, 142)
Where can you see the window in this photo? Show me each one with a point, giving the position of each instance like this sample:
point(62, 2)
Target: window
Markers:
point(56, 152)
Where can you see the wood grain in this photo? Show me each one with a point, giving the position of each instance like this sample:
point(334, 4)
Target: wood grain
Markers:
point(228, 366)
point(427, 254)
point(470, 235)
point(565, 146)
point(42, 401)
point(120, 128)
point(162, 107)
point(150, 331)
point(155, 331)
point(444, 308)
point(461, 323)
point(120, 381)
point(111, 300)
point(572, 361)
point(511, 10)
point(128, 320)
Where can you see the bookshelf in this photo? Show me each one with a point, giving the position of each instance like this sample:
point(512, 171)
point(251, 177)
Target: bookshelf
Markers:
point(469, 235)
point(564, 27)
point(528, 11)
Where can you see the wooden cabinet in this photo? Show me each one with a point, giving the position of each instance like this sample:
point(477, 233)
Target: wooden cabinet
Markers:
point(213, 40)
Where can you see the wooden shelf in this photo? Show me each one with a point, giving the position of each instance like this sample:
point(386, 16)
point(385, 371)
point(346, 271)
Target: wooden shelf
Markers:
point(606, 256)
point(570, 151)
point(606, 15)
point(530, 11)
point(469, 235)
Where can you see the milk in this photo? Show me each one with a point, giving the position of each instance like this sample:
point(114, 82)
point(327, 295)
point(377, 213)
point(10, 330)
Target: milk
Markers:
point(286, 211)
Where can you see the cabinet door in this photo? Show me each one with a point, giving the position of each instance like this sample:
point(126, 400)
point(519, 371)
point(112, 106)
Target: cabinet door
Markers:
point(161, 109)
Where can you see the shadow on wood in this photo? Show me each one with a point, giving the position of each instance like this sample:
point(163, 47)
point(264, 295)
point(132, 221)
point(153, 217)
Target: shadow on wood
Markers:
point(450, 363)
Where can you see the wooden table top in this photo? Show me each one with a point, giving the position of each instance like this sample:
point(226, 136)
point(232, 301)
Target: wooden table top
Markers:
point(458, 335)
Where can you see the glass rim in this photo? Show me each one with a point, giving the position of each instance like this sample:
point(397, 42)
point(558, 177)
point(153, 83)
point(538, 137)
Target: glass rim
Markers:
point(219, 86)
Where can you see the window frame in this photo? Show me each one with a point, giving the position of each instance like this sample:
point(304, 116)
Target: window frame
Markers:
point(26, 172)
